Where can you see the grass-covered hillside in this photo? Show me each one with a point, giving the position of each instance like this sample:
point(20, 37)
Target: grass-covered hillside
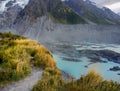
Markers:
point(18, 55)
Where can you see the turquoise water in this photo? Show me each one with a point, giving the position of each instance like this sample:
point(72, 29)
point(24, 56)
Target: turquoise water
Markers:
point(76, 69)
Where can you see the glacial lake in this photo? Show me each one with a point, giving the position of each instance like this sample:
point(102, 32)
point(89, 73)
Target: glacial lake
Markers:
point(73, 62)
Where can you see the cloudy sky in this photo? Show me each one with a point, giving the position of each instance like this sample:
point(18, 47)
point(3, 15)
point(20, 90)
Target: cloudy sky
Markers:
point(112, 4)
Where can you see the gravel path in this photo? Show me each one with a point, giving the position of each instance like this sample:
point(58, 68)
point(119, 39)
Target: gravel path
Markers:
point(25, 84)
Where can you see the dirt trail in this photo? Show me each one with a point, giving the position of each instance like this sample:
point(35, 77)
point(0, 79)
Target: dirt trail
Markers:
point(25, 84)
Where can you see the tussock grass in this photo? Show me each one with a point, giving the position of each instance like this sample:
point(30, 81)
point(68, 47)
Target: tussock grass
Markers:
point(90, 82)
point(17, 54)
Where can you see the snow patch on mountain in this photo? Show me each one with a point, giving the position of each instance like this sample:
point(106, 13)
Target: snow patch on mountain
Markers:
point(5, 4)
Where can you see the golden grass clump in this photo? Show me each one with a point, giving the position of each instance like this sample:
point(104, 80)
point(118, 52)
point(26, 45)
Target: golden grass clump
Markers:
point(90, 82)
point(18, 53)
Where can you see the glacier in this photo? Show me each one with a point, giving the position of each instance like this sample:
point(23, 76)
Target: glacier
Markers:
point(3, 4)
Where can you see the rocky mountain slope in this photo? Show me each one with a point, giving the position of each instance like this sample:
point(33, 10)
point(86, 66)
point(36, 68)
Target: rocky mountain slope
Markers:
point(9, 9)
point(53, 10)
point(19, 12)
point(89, 11)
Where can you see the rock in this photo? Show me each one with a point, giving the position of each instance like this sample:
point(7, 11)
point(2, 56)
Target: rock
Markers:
point(118, 73)
point(115, 68)
point(108, 54)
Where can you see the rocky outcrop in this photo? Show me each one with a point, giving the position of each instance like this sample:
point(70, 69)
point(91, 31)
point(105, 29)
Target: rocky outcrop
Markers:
point(115, 68)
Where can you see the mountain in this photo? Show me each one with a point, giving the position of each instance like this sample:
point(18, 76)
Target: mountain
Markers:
point(43, 13)
point(89, 11)
point(26, 14)
point(6, 4)
point(30, 13)
point(7, 18)
point(9, 9)
point(41, 16)
point(55, 9)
